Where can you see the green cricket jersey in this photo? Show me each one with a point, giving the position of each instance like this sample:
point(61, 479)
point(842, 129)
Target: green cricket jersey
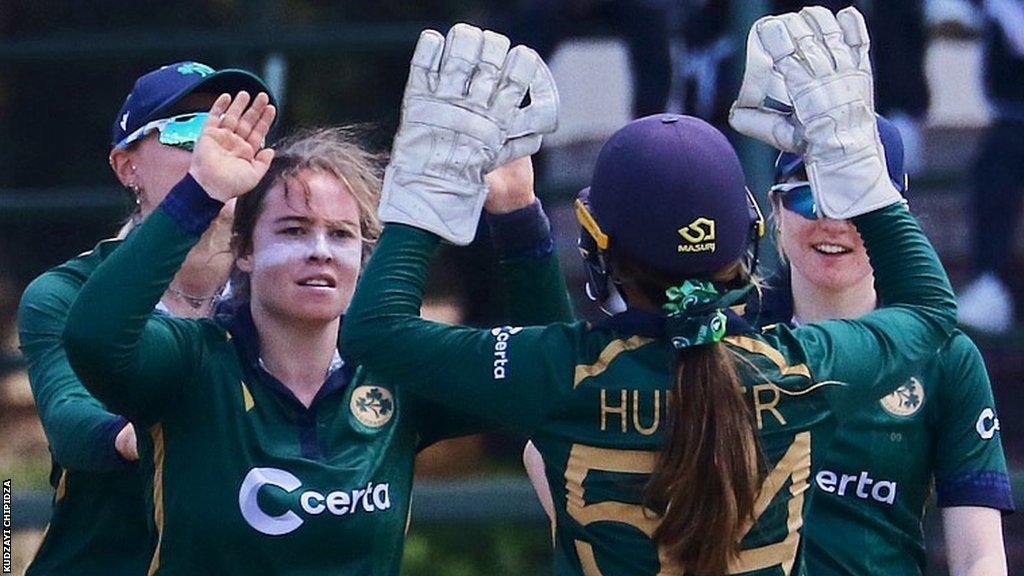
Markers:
point(594, 398)
point(244, 479)
point(872, 480)
point(98, 522)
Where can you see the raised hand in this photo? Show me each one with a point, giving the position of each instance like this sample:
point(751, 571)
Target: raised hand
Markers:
point(461, 117)
point(230, 156)
point(824, 64)
point(510, 187)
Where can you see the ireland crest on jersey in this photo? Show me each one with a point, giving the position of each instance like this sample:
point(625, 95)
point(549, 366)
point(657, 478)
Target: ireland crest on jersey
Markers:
point(906, 400)
point(372, 405)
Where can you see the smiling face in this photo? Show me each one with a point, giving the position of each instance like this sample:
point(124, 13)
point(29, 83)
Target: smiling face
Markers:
point(827, 253)
point(306, 250)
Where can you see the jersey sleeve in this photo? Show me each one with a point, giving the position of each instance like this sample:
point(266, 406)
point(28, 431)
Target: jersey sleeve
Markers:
point(79, 429)
point(970, 467)
point(869, 356)
point(534, 294)
point(134, 362)
point(512, 377)
point(531, 281)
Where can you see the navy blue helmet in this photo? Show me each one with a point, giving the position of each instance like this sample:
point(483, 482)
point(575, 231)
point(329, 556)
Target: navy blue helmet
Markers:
point(668, 193)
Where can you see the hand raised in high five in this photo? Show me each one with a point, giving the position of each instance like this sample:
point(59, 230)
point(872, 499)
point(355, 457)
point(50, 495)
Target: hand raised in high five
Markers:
point(823, 62)
point(462, 115)
point(230, 158)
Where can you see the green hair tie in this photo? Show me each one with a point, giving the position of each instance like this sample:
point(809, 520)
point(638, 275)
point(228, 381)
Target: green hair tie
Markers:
point(697, 312)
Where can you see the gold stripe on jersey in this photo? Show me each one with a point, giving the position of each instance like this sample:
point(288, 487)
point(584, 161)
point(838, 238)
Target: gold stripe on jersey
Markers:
point(157, 433)
point(588, 564)
point(62, 486)
point(246, 397)
point(795, 464)
point(610, 352)
point(758, 347)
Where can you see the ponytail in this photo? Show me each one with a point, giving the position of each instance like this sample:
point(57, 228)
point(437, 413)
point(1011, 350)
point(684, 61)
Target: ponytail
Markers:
point(706, 478)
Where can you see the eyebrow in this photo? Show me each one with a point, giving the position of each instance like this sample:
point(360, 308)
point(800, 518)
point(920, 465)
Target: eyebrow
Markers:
point(305, 220)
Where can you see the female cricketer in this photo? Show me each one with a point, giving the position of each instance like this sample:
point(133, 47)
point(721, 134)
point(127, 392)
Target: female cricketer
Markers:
point(98, 523)
point(677, 438)
point(264, 451)
point(871, 481)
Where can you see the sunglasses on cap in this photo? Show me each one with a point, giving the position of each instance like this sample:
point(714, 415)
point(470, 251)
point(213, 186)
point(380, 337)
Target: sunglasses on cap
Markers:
point(180, 131)
point(797, 197)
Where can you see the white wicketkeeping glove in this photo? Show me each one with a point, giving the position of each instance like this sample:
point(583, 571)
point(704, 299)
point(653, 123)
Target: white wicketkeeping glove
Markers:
point(823, 60)
point(461, 118)
point(762, 109)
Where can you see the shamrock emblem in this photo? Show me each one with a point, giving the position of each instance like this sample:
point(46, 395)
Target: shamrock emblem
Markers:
point(905, 400)
point(195, 68)
point(375, 402)
point(372, 405)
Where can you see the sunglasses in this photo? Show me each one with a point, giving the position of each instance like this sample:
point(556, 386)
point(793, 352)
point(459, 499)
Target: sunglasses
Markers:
point(797, 197)
point(180, 131)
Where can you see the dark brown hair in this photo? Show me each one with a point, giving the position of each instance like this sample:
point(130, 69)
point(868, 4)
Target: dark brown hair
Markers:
point(335, 151)
point(706, 478)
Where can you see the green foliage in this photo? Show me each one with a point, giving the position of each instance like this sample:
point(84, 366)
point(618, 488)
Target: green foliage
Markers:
point(494, 549)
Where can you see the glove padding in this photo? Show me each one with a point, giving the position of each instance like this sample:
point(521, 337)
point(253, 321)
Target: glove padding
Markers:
point(461, 118)
point(824, 64)
point(762, 109)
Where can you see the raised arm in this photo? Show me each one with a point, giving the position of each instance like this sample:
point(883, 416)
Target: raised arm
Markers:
point(133, 363)
point(81, 432)
point(823, 62)
point(453, 131)
point(530, 279)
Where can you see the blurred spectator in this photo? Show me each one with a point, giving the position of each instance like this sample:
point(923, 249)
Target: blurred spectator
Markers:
point(986, 303)
point(706, 52)
point(898, 33)
point(645, 25)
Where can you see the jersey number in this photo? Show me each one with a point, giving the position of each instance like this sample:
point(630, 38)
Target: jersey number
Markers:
point(795, 465)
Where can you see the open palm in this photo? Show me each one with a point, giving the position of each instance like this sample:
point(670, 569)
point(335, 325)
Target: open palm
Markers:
point(229, 157)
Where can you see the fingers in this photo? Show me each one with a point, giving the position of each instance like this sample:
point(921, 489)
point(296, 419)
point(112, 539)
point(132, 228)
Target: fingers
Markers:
point(855, 35)
point(263, 159)
point(776, 130)
point(757, 70)
point(828, 32)
point(258, 137)
point(777, 43)
point(426, 62)
point(230, 118)
point(520, 68)
point(541, 116)
point(459, 59)
point(811, 50)
point(517, 148)
point(488, 71)
point(251, 116)
point(220, 105)
point(249, 122)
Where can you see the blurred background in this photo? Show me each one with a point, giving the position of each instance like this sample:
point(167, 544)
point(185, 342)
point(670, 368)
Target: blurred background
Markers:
point(950, 73)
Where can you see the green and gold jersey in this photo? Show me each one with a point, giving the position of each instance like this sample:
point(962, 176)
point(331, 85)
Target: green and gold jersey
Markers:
point(98, 523)
point(872, 481)
point(242, 477)
point(594, 398)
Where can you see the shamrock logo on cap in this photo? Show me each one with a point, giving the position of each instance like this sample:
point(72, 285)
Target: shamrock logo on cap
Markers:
point(195, 68)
